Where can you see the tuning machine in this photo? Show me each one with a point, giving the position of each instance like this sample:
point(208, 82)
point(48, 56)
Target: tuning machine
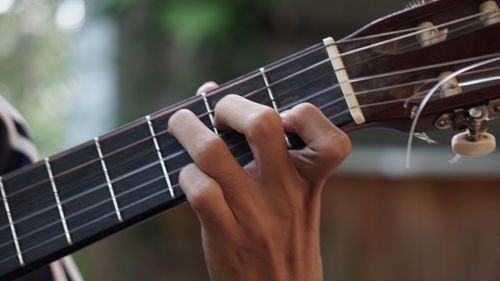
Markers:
point(474, 141)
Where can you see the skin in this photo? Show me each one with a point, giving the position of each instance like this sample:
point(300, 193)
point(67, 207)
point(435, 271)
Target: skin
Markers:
point(261, 221)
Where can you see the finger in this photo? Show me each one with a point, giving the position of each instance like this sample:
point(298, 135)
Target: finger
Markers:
point(206, 149)
point(206, 198)
point(263, 129)
point(326, 147)
point(207, 86)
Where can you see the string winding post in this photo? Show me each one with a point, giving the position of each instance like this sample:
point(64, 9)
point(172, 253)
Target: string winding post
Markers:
point(430, 94)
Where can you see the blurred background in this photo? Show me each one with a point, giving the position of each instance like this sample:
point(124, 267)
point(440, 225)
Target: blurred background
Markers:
point(78, 68)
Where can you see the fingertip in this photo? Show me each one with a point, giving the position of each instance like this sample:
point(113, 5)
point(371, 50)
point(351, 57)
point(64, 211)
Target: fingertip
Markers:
point(293, 119)
point(207, 86)
point(179, 117)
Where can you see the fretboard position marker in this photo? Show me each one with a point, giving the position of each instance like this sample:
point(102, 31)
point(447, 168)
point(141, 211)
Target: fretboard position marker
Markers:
point(58, 201)
point(271, 97)
point(160, 156)
point(209, 110)
point(343, 79)
point(108, 180)
point(11, 223)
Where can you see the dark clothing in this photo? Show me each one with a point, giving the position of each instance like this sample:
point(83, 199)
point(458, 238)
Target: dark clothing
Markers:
point(16, 150)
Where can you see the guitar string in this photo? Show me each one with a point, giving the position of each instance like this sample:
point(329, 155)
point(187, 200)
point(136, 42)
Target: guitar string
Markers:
point(176, 186)
point(429, 95)
point(81, 226)
point(359, 93)
point(121, 195)
point(69, 200)
point(343, 41)
point(258, 90)
point(309, 97)
point(384, 34)
point(163, 191)
point(415, 44)
point(88, 208)
point(321, 47)
point(204, 115)
point(201, 116)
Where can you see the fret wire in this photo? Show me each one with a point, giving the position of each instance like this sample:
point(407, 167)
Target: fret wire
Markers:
point(175, 154)
point(132, 204)
point(269, 90)
point(210, 111)
point(273, 101)
point(11, 224)
point(122, 149)
point(88, 208)
point(302, 100)
point(151, 181)
point(58, 201)
point(108, 180)
point(160, 156)
point(312, 50)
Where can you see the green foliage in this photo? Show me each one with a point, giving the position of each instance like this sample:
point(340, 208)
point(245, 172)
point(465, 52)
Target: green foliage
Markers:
point(191, 23)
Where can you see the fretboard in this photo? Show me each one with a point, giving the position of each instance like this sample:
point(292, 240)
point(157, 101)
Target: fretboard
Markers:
point(60, 204)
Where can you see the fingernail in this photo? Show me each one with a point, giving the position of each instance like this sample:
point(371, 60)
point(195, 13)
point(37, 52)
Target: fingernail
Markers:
point(207, 86)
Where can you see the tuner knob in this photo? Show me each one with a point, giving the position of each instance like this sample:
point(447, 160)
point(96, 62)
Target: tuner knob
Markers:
point(462, 145)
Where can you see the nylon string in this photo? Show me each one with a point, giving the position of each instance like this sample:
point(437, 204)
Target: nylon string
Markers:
point(176, 171)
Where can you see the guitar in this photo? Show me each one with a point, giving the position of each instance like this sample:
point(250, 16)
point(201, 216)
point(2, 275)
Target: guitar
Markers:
point(431, 67)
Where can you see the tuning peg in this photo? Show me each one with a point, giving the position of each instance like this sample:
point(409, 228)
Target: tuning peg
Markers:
point(462, 144)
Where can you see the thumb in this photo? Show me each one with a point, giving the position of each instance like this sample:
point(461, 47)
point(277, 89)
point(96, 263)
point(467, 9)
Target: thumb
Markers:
point(326, 145)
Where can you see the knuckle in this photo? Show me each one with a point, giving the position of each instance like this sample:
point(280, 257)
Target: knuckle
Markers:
point(305, 108)
point(203, 195)
point(200, 191)
point(339, 146)
point(209, 149)
point(264, 123)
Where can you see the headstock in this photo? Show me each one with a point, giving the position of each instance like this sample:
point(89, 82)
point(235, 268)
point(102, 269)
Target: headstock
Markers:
point(455, 43)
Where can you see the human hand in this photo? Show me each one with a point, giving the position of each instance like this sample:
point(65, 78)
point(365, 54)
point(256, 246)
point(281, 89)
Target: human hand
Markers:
point(259, 222)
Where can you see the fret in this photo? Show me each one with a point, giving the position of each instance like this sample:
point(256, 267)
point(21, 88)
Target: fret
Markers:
point(269, 90)
point(11, 223)
point(160, 157)
point(309, 83)
point(137, 173)
point(58, 201)
point(271, 97)
point(251, 86)
point(118, 179)
point(209, 111)
point(34, 212)
point(83, 189)
point(343, 78)
point(108, 180)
